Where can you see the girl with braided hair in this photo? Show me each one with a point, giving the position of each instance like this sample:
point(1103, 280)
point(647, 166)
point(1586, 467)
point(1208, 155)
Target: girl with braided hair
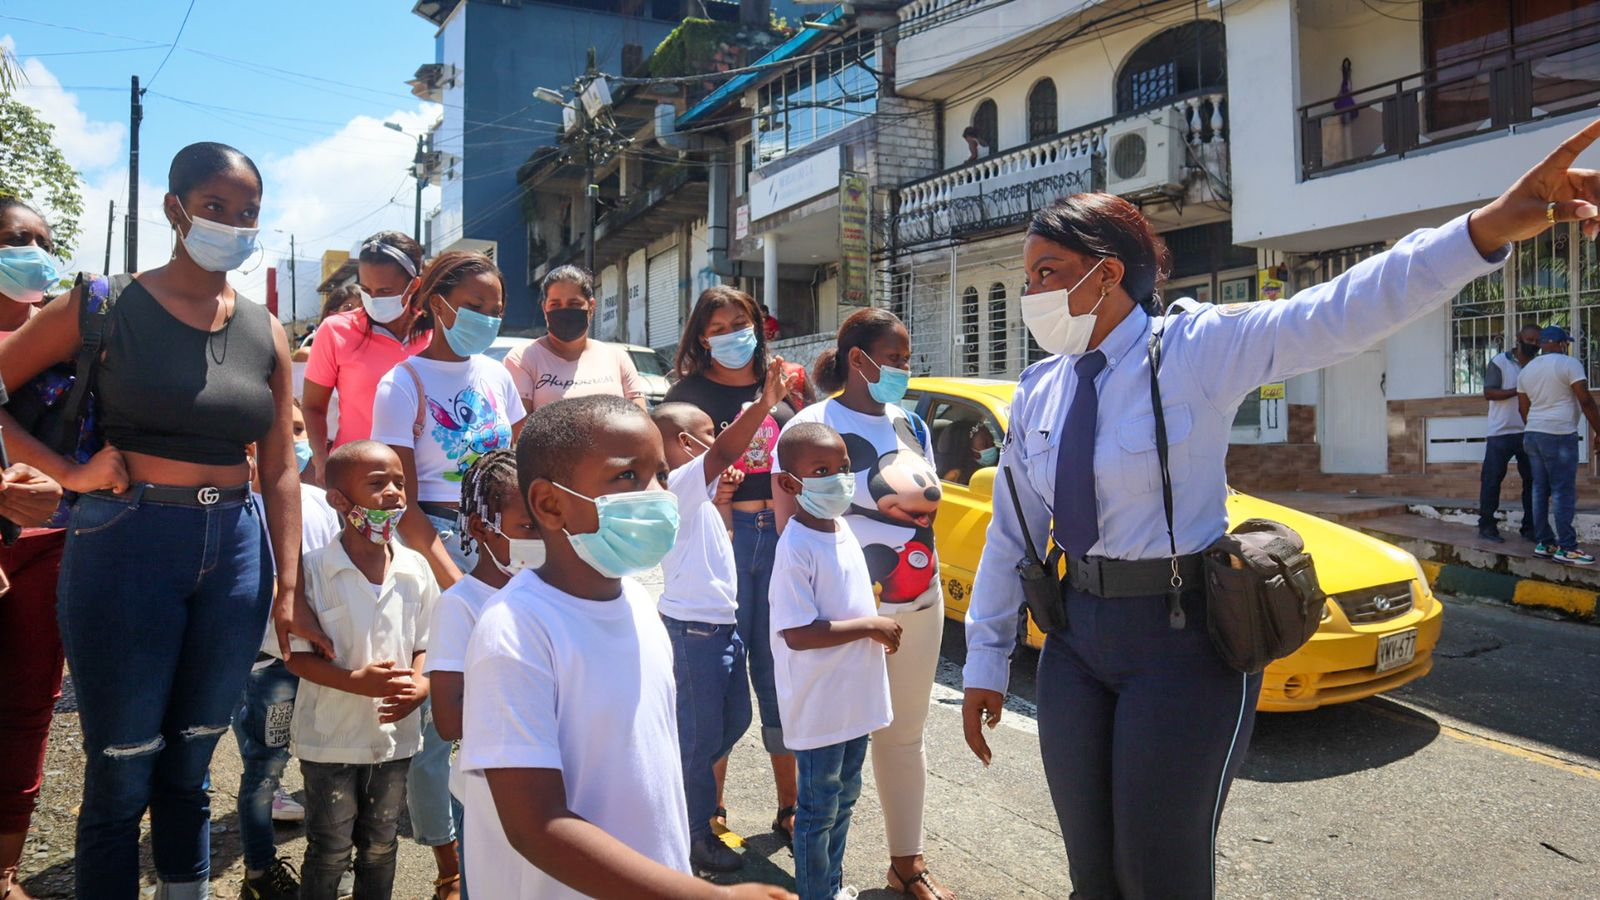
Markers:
point(495, 518)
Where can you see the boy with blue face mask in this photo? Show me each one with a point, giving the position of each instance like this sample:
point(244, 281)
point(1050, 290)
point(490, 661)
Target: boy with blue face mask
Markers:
point(699, 604)
point(569, 686)
point(828, 646)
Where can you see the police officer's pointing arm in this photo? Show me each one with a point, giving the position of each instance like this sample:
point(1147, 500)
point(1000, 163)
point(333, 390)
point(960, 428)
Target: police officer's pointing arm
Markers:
point(1266, 342)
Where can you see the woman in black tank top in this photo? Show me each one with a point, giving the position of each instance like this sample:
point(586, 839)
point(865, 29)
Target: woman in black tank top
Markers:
point(166, 582)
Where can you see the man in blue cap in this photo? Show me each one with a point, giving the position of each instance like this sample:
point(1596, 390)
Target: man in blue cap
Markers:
point(1551, 393)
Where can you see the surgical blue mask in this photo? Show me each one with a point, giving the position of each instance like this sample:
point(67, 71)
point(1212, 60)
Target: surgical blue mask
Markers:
point(734, 350)
point(25, 273)
point(827, 496)
point(637, 530)
point(216, 247)
point(891, 384)
point(472, 332)
point(302, 454)
point(988, 456)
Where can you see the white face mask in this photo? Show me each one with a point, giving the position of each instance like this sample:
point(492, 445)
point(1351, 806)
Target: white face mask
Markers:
point(524, 553)
point(1050, 320)
point(383, 310)
point(216, 247)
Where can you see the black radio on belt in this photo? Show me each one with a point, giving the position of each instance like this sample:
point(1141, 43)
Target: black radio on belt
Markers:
point(1041, 588)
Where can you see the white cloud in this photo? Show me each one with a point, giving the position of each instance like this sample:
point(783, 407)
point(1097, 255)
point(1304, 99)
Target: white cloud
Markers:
point(329, 194)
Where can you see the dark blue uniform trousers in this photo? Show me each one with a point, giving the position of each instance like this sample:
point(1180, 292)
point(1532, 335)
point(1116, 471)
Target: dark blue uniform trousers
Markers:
point(1142, 728)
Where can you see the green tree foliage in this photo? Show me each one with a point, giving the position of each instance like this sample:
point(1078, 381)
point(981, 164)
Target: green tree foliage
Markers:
point(33, 170)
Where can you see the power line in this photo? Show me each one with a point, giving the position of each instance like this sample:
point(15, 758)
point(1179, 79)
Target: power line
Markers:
point(173, 46)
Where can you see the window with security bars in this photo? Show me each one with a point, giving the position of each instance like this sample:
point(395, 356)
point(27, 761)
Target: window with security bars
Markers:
point(999, 330)
point(970, 349)
point(1552, 279)
point(1042, 110)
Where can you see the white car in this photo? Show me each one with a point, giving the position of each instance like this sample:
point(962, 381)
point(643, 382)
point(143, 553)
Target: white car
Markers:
point(652, 365)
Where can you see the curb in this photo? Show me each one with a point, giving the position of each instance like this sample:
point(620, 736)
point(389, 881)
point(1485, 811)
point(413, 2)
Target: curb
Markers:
point(1451, 578)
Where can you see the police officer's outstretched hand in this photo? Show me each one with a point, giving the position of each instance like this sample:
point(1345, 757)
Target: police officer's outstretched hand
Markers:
point(979, 708)
point(1550, 192)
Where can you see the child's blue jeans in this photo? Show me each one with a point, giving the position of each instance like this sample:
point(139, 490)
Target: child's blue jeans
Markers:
point(708, 664)
point(830, 783)
point(262, 728)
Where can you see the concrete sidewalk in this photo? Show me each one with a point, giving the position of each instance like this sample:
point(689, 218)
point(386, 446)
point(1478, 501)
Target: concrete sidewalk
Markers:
point(1443, 535)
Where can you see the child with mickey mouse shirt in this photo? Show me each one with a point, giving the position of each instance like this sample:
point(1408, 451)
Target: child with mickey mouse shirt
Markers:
point(897, 496)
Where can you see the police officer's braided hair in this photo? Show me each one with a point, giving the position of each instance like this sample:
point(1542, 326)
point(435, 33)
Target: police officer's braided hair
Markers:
point(485, 489)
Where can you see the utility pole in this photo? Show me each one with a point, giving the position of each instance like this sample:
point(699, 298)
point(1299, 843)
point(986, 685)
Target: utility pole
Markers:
point(294, 285)
point(591, 191)
point(131, 237)
point(111, 217)
point(419, 166)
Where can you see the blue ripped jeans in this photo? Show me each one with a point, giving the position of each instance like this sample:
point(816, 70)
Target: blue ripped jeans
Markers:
point(162, 608)
point(261, 726)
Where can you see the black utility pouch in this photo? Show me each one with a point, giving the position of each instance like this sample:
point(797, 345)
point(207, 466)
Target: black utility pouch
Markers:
point(1041, 587)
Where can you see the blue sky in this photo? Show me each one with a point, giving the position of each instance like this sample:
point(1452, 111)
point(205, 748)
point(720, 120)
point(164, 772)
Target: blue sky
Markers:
point(304, 95)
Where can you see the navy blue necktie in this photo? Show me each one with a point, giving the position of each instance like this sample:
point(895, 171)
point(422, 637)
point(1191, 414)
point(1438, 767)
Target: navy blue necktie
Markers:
point(1077, 514)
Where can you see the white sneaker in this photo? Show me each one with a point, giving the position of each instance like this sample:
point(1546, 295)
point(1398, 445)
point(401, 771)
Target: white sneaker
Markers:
point(285, 808)
point(847, 892)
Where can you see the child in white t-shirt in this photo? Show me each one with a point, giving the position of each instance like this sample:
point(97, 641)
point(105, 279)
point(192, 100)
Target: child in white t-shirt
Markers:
point(828, 646)
point(356, 721)
point(699, 601)
point(569, 685)
point(496, 518)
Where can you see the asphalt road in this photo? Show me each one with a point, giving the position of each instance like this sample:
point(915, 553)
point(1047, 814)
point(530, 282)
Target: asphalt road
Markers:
point(1481, 780)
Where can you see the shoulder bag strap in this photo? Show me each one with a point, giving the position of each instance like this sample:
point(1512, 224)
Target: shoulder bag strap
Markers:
point(1175, 615)
point(422, 401)
point(1022, 520)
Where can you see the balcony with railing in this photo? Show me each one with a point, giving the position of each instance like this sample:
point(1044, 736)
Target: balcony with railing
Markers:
point(1487, 94)
point(1002, 191)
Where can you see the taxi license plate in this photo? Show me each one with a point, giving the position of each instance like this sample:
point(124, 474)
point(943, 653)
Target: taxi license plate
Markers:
point(1396, 650)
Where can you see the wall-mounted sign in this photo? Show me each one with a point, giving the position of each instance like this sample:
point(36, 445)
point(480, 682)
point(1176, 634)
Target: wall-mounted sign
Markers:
point(1276, 391)
point(1272, 284)
point(741, 222)
point(811, 177)
point(855, 251)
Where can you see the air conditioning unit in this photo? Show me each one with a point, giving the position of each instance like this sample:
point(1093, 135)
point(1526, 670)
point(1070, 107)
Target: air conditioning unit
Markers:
point(1147, 154)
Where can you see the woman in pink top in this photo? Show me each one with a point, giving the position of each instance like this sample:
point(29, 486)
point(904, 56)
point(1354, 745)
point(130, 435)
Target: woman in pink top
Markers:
point(354, 350)
point(566, 362)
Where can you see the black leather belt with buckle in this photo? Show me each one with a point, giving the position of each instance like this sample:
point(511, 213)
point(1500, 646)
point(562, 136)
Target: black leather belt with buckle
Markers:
point(198, 497)
point(1120, 579)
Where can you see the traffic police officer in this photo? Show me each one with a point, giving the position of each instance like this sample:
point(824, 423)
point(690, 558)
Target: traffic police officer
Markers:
point(1141, 724)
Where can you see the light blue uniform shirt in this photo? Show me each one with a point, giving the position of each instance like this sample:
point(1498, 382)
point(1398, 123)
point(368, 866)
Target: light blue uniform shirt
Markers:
point(1211, 359)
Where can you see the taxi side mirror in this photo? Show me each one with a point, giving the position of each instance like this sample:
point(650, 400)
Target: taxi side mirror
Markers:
point(982, 482)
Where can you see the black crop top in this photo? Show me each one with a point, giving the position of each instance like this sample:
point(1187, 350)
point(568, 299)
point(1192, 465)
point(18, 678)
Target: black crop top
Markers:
point(169, 390)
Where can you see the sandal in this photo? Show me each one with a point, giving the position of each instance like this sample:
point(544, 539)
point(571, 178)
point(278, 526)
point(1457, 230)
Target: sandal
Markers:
point(447, 888)
point(922, 877)
point(781, 826)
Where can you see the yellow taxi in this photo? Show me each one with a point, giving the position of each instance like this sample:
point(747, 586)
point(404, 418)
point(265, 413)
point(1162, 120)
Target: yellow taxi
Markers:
point(1378, 630)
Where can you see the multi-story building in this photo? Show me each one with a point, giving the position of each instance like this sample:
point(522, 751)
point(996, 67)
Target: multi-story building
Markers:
point(490, 55)
point(1360, 121)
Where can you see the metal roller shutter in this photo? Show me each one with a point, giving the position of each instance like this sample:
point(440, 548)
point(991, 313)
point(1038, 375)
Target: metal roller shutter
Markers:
point(661, 299)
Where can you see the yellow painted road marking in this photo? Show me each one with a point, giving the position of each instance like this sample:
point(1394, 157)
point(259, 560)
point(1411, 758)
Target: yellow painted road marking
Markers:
point(1510, 749)
point(1556, 596)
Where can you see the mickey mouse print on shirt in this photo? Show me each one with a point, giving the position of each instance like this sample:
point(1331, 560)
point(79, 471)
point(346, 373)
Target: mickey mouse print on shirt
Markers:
point(897, 496)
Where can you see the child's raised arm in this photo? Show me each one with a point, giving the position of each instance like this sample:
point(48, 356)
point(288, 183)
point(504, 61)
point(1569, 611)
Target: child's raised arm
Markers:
point(735, 439)
point(532, 804)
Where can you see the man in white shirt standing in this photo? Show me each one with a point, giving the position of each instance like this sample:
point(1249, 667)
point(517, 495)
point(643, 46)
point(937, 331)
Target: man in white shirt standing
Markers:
point(1551, 392)
point(1504, 439)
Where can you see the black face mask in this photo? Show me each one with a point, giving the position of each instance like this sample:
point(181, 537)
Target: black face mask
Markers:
point(1528, 349)
point(567, 324)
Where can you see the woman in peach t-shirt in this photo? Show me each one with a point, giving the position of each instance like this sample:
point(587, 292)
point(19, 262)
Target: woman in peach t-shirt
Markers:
point(354, 350)
point(566, 362)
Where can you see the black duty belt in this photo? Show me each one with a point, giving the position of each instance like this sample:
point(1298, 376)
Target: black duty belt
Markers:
point(173, 495)
point(1119, 579)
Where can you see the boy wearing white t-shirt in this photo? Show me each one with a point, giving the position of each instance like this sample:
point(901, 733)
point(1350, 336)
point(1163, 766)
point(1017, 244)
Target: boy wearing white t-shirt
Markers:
point(569, 685)
point(828, 646)
point(699, 601)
